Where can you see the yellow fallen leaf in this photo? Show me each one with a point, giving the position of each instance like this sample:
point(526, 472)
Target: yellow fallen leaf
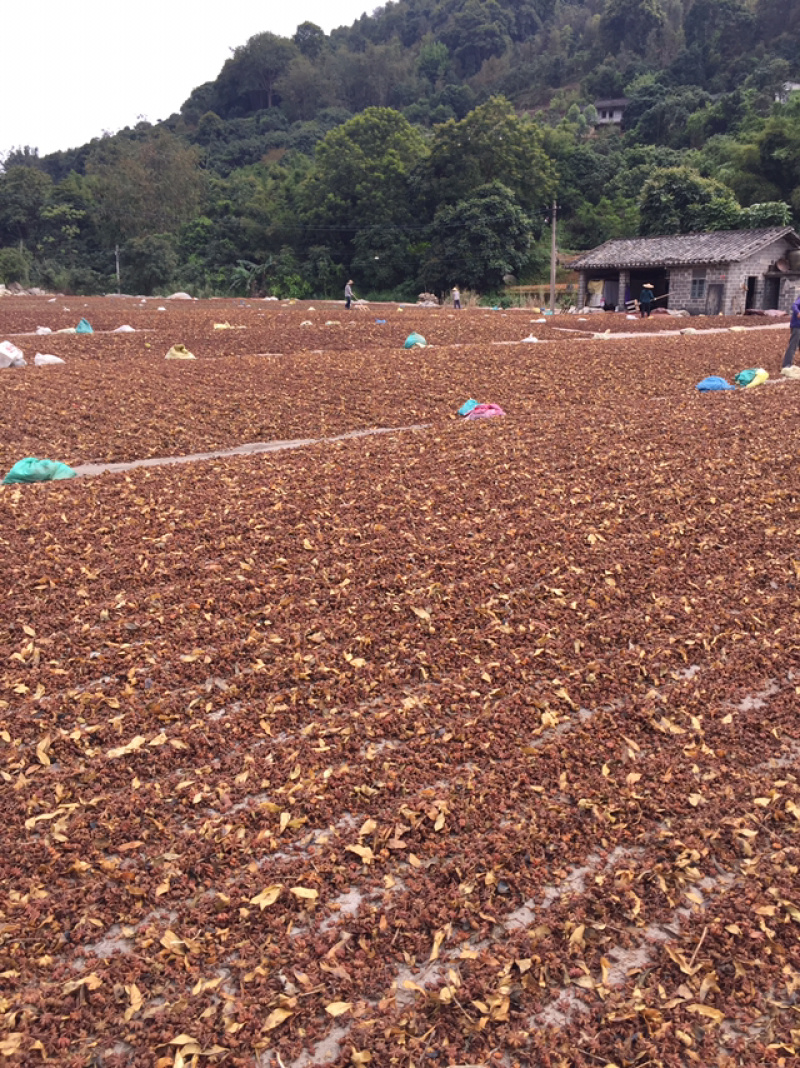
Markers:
point(171, 942)
point(338, 1008)
point(438, 938)
point(576, 938)
point(421, 613)
point(367, 827)
point(41, 751)
point(268, 896)
point(135, 994)
point(276, 1018)
point(91, 982)
point(11, 1043)
point(130, 747)
point(304, 892)
point(707, 1010)
point(364, 852)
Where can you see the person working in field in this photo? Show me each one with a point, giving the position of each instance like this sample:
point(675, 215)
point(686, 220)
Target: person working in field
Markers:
point(348, 294)
point(794, 334)
point(646, 300)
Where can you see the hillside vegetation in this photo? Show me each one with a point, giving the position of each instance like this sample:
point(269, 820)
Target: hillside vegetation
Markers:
point(422, 146)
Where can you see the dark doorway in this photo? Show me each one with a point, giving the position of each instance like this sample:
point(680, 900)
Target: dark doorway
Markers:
point(658, 279)
point(714, 299)
point(750, 299)
point(772, 288)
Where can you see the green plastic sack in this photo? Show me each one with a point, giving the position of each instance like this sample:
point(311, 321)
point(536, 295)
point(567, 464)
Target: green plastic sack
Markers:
point(744, 378)
point(32, 470)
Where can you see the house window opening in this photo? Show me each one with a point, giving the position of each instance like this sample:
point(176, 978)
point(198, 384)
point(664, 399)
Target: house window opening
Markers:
point(698, 290)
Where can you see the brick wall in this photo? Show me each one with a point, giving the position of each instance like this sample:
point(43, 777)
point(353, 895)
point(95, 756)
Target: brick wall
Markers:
point(733, 277)
point(789, 291)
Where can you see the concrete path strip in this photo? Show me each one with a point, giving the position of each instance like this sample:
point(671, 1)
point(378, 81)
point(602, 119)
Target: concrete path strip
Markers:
point(644, 334)
point(250, 449)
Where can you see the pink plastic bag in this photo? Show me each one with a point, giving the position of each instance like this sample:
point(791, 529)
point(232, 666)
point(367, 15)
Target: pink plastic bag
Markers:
point(485, 411)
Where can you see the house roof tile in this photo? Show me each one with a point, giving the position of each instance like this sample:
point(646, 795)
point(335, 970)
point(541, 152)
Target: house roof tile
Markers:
point(721, 246)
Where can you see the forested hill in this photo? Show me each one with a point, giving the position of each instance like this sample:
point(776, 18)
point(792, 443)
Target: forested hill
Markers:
point(422, 145)
point(434, 59)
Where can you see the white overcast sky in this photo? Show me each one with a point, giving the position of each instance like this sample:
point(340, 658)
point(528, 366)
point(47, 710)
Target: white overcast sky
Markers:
point(72, 69)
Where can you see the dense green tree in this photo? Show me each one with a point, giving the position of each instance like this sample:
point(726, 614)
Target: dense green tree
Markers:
point(478, 240)
point(15, 266)
point(149, 263)
point(248, 79)
point(592, 224)
point(21, 156)
point(491, 144)
point(630, 23)
point(478, 31)
point(304, 87)
point(779, 148)
point(310, 39)
point(322, 272)
point(361, 180)
point(433, 60)
point(152, 186)
point(657, 115)
point(678, 200)
point(24, 192)
point(770, 213)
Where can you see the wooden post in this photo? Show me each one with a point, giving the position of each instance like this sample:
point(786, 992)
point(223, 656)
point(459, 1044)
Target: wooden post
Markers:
point(116, 257)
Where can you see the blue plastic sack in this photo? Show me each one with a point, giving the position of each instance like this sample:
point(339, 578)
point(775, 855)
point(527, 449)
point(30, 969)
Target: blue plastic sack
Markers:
point(467, 407)
point(415, 341)
point(713, 382)
point(32, 470)
point(84, 327)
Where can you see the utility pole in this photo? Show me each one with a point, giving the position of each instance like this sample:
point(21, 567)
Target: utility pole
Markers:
point(116, 257)
point(553, 256)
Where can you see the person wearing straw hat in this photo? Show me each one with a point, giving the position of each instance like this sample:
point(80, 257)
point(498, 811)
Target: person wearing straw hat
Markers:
point(646, 300)
point(348, 293)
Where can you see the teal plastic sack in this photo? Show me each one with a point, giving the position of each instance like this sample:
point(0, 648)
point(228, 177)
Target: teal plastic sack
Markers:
point(467, 407)
point(32, 470)
point(415, 341)
point(84, 327)
point(744, 378)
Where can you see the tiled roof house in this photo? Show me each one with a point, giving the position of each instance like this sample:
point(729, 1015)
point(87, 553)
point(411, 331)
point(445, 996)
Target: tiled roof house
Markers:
point(726, 271)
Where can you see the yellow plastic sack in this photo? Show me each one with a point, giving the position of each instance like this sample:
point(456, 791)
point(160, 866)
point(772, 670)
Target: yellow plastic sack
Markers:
point(180, 352)
point(760, 376)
